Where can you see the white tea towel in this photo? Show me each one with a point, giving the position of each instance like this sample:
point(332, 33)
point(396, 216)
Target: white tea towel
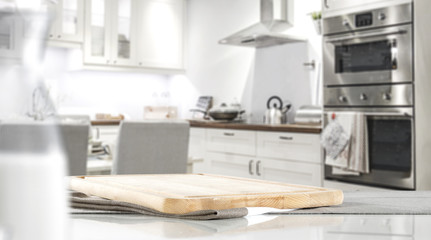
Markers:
point(354, 157)
point(334, 139)
point(358, 160)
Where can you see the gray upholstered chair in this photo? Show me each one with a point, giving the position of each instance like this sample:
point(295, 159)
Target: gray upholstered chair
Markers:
point(43, 137)
point(152, 147)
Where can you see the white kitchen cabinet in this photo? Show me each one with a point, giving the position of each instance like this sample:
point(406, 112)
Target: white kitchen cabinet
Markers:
point(161, 33)
point(290, 171)
point(230, 165)
point(289, 146)
point(11, 34)
point(68, 24)
point(196, 153)
point(134, 33)
point(276, 156)
point(231, 141)
point(110, 32)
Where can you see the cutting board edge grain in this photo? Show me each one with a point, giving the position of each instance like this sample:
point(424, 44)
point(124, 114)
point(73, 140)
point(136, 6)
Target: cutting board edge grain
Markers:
point(315, 197)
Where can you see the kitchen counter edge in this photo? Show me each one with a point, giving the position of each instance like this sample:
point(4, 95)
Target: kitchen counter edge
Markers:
point(259, 127)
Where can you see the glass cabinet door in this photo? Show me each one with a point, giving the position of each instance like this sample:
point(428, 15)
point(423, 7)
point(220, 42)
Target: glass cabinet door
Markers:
point(97, 35)
point(10, 40)
point(68, 20)
point(71, 20)
point(123, 38)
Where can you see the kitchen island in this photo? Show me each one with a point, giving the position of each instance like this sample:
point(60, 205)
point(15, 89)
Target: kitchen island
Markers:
point(376, 227)
point(396, 215)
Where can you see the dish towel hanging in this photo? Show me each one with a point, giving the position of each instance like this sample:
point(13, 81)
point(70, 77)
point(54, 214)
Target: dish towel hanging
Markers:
point(353, 158)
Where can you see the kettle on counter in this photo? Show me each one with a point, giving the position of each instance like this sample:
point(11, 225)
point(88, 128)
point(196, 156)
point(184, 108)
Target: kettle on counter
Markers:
point(276, 113)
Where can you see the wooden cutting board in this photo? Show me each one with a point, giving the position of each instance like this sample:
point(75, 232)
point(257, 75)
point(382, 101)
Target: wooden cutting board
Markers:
point(183, 193)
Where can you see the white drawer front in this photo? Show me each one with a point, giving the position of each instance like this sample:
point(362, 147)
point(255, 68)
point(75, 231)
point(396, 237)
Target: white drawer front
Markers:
point(231, 165)
point(291, 172)
point(231, 141)
point(289, 146)
point(197, 142)
point(106, 133)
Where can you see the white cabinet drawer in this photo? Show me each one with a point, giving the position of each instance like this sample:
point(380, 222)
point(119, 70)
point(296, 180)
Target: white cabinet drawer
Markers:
point(197, 150)
point(231, 141)
point(289, 146)
point(197, 142)
point(290, 172)
point(231, 165)
point(105, 133)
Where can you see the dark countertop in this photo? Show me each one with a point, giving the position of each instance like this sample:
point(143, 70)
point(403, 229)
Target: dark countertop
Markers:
point(298, 128)
point(257, 127)
point(105, 122)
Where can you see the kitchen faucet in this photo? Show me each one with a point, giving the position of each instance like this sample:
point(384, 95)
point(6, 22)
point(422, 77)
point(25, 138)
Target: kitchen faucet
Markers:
point(42, 107)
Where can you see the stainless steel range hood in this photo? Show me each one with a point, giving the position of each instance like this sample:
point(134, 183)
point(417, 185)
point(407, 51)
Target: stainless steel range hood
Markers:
point(276, 16)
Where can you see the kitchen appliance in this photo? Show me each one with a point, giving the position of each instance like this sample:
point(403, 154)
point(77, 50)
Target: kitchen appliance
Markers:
point(276, 16)
point(184, 193)
point(369, 47)
point(368, 68)
point(276, 113)
point(203, 105)
point(309, 114)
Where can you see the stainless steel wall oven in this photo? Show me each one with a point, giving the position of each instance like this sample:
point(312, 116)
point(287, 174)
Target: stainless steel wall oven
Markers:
point(368, 68)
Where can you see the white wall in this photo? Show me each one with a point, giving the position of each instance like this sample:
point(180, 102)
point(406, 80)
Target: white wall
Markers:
point(91, 92)
point(247, 74)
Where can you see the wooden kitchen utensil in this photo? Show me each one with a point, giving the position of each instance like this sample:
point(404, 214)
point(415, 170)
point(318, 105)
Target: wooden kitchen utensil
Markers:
point(184, 193)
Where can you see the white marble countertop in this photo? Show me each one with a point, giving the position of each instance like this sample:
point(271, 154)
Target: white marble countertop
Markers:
point(320, 226)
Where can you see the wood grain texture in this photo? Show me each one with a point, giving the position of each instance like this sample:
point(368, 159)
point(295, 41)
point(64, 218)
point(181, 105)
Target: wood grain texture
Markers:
point(259, 127)
point(183, 193)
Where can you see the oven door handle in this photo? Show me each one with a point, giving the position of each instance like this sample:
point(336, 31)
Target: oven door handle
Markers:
point(375, 114)
point(367, 35)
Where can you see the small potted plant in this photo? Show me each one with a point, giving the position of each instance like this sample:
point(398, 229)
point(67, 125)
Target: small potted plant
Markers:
point(317, 21)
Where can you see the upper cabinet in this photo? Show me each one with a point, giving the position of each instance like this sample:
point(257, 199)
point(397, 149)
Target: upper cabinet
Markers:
point(68, 24)
point(134, 33)
point(110, 32)
point(161, 33)
point(10, 35)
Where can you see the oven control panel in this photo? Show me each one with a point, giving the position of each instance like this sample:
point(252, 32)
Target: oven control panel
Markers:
point(397, 95)
point(364, 20)
point(368, 19)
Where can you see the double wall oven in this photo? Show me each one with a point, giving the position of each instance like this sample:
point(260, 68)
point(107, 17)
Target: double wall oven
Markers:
point(368, 68)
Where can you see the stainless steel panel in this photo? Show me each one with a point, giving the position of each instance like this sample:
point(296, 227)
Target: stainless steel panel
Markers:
point(401, 35)
point(380, 95)
point(375, 111)
point(378, 178)
point(393, 15)
point(381, 178)
point(330, 6)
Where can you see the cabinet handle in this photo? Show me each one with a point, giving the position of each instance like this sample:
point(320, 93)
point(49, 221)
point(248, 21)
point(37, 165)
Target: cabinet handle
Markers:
point(250, 167)
point(115, 61)
point(140, 64)
point(107, 61)
point(59, 36)
point(286, 138)
point(50, 35)
point(258, 168)
point(229, 134)
point(326, 4)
